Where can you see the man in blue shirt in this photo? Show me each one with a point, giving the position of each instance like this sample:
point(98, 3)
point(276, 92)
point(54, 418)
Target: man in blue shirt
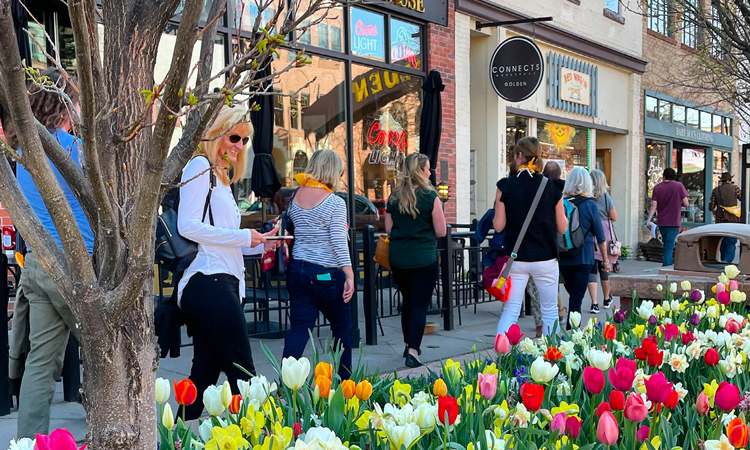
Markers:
point(49, 320)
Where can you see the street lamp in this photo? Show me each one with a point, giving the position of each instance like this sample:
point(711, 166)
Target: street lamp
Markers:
point(444, 191)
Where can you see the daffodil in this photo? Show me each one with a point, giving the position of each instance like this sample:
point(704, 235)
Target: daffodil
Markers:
point(400, 393)
point(401, 436)
point(563, 441)
point(721, 444)
point(229, 438)
point(252, 424)
point(655, 442)
point(492, 368)
point(568, 409)
point(710, 391)
point(491, 440)
point(638, 331)
point(352, 405)
point(454, 368)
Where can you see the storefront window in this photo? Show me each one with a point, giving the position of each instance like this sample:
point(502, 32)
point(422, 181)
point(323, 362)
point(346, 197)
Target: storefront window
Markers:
point(406, 44)
point(721, 165)
point(565, 144)
point(657, 159)
point(691, 170)
point(728, 126)
point(367, 34)
point(387, 107)
point(516, 127)
point(665, 111)
point(692, 118)
point(38, 59)
point(652, 106)
point(678, 114)
point(705, 121)
point(717, 124)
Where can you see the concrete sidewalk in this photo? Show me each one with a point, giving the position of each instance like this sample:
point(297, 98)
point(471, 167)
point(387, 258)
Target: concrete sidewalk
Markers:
point(476, 331)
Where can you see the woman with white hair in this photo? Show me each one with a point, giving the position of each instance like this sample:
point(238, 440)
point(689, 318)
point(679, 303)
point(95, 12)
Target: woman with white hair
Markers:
point(608, 215)
point(575, 266)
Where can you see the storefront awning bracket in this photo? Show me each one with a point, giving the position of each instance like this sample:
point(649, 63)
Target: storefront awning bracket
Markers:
point(513, 22)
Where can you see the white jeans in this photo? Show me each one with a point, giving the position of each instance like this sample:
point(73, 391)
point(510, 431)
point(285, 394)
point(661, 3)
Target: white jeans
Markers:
point(546, 277)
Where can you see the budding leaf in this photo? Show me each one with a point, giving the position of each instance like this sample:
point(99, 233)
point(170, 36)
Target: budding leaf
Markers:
point(192, 100)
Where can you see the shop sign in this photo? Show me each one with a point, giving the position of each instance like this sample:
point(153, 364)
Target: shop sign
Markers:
point(516, 69)
point(560, 135)
point(575, 86)
point(435, 11)
point(693, 134)
point(367, 36)
point(405, 46)
point(375, 82)
point(378, 136)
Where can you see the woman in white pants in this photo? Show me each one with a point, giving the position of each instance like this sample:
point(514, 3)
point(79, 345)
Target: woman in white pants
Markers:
point(537, 255)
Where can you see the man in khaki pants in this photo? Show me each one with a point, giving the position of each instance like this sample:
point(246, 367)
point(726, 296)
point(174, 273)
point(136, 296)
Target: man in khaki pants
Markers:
point(42, 313)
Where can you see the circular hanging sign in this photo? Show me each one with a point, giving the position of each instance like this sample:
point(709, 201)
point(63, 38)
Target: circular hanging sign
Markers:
point(516, 69)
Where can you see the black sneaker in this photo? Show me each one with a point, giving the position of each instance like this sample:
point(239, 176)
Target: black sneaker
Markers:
point(594, 308)
point(412, 362)
point(608, 302)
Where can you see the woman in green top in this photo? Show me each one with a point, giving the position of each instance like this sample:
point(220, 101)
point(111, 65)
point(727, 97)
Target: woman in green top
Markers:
point(414, 220)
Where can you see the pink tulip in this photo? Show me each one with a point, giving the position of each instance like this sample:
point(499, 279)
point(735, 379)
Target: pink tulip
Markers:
point(658, 388)
point(488, 386)
point(593, 378)
point(514, 334)
point(733, 285)
point(635, 408)
point(720, 288)
point(573, 427)
point(607, 431)
point(703, 404)
point(558, 423)
point(727, 397)
point(623, 374)
point(642, 433)
point(60, 439)
point(502, 344)
point(724, 298)
point(732, 326)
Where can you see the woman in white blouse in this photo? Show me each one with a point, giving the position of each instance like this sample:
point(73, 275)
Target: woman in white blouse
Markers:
point(211, 289)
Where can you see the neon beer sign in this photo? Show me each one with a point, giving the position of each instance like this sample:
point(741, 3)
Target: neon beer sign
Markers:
point(378, 136)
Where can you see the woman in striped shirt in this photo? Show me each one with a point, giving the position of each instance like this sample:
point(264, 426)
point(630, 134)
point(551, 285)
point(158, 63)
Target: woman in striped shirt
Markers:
point(320, 278)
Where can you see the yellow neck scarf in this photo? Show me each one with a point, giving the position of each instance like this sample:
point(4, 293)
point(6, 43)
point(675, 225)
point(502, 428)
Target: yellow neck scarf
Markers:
point(304, 180)
point(530, 166)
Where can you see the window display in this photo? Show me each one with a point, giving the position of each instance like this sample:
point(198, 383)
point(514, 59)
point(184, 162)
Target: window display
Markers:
point(656, 161)
point(406, 44)
point(565, 144)
point(691, 171)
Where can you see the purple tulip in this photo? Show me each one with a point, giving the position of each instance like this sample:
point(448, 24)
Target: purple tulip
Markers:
point(696, 295)
point(619, 316)
point(652, 320)
point(695, 320)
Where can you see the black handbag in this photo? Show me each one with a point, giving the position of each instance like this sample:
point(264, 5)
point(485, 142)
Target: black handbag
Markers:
point(174, 252)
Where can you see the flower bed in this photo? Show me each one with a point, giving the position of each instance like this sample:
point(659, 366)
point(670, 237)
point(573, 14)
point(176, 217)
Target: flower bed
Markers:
point(673, 375)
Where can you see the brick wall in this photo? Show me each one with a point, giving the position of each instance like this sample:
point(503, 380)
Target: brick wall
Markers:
point(441, 48)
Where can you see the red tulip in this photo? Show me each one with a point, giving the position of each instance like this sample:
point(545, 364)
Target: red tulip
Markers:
point(297, 429)
point(607, 431)
point(727, 397)
point(532, 396)
point(724, 298)
point(658, 388)
point(610, 332)
point(572, 427)
point(642, 433)
point(502, 345)
point(514, 334)
point(687, 337)
point(602, 408)
point(702, 404)
point(738, 432)
point(623, 374)
point(234, 407)
point(185, 392)
point(593, 378)
point(635, 408)
point(672, 399)
point(671, 331)
point(617, 400)
point(448, 406)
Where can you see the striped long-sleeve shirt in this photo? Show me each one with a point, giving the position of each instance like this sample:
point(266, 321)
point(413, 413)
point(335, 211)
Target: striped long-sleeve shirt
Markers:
point(321, 233)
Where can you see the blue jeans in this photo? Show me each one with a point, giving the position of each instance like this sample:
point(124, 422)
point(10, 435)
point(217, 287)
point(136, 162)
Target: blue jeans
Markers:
point(314, 289)
point(669, 237)
point(728, 249)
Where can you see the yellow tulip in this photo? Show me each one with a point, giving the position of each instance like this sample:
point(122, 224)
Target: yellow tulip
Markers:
point(440, 388)
point(638, 330)
point(227, 439)
point(400, 393)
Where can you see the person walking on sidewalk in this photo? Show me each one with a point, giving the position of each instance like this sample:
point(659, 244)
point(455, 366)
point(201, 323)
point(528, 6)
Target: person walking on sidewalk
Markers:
point(211, 290)
point(537, 254)
point(414, 220)
point(576, 266)
point(553, 172)
point(50, 320)
point(726, 210)
point(668, 198)
point(608, 215)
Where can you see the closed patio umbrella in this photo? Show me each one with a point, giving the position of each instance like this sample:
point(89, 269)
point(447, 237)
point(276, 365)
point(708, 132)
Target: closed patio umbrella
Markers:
point(431, 125)
point(264, 180)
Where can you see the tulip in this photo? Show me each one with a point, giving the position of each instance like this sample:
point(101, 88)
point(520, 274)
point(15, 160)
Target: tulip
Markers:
point(653, 320)
point(720, 287)
point(574, 317)
point(323, 369)
point(702, 404)
point(635, 408)
point(610, 332)
point(212, 401)
point(733, 285)
point(727, 397)
point(447, 407)
point(348, 388)
point(617, 400)
point(600, 359)
point(695, 320)
point(602, 408)
point(553, 354)
point(440, 389)
point(502, 344)
point(697, 295)
point(167, 417)
point(60, 439)
point(487, 386)
point(685, 285)
point(424, 416)
point(623, 374)
point(731, 271)
point(514, 334)
point(642, 433)
point(672, 399)
point(658, 388)
point(671, 331)
point(205, 430)
point(619, 316)
point(687, 337)
point(659, 287)
point(185, 392)
point(724, 279)
point(573, 427)
point(400, 436)
point(724, 298)
point(294, 372)
point(542, 371)
point(162, 390)
point(226, 394)
point(323, 385)
point(673, 288)
point(737, 432)
point(711, 358)
point(363, 391)
point(732, 326)
point(737, 297)
point(593, 378)
point(532, 396)
point(297, 429)
point(558, 423)
point(236, 404)
point(607, 430)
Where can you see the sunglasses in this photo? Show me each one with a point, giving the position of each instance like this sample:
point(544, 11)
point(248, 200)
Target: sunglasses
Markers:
point(235, 138)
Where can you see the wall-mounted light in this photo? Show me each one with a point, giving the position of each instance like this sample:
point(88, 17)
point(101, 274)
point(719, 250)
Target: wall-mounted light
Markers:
point(444, 191)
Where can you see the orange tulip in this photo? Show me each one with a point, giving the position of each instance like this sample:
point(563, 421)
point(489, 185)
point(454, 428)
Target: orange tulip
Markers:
point(234, 407)
point(348, 388)
point(610, 332)
point(440, 389)
point(363, 391)
point(737, 432)
point(323, 369)
point(185, 392)
point(324, 386)
point(553, 354)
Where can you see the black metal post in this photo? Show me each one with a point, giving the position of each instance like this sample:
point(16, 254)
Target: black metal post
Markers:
point(446, 276)
point(355, 300)
point(513, 22)
point(370, 274)
point(72, 371)
point(4, 382)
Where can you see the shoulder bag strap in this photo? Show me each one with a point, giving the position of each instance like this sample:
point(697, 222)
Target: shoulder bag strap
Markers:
point(525, 227)
point(212, 185)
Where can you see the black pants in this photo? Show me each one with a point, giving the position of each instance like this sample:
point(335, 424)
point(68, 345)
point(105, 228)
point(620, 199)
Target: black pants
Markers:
point(214, 316)
point(314, 289)
point(416, 287)
point(576, 283)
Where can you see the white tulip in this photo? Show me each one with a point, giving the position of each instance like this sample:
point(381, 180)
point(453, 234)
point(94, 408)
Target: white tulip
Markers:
point(685, 285)
point(258, 389)
point(732, 271)
point(226, 394)
point(737, 296)
point(424, 417)
point(294, 372)
point(723, 279)
point(22, 444)
point(600, 359)
point(163, 390)
point(575, 319)
point(206, 431)
point(401, 435)
point(567, 348)
point(673, 288)
point(712, 312)
point(167, 418)
point(659, 287)
point(542, 371)
point(212, 400)
point(674, 305)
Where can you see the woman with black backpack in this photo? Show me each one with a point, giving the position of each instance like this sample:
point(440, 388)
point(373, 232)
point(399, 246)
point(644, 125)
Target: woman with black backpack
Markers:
point(577, 258)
